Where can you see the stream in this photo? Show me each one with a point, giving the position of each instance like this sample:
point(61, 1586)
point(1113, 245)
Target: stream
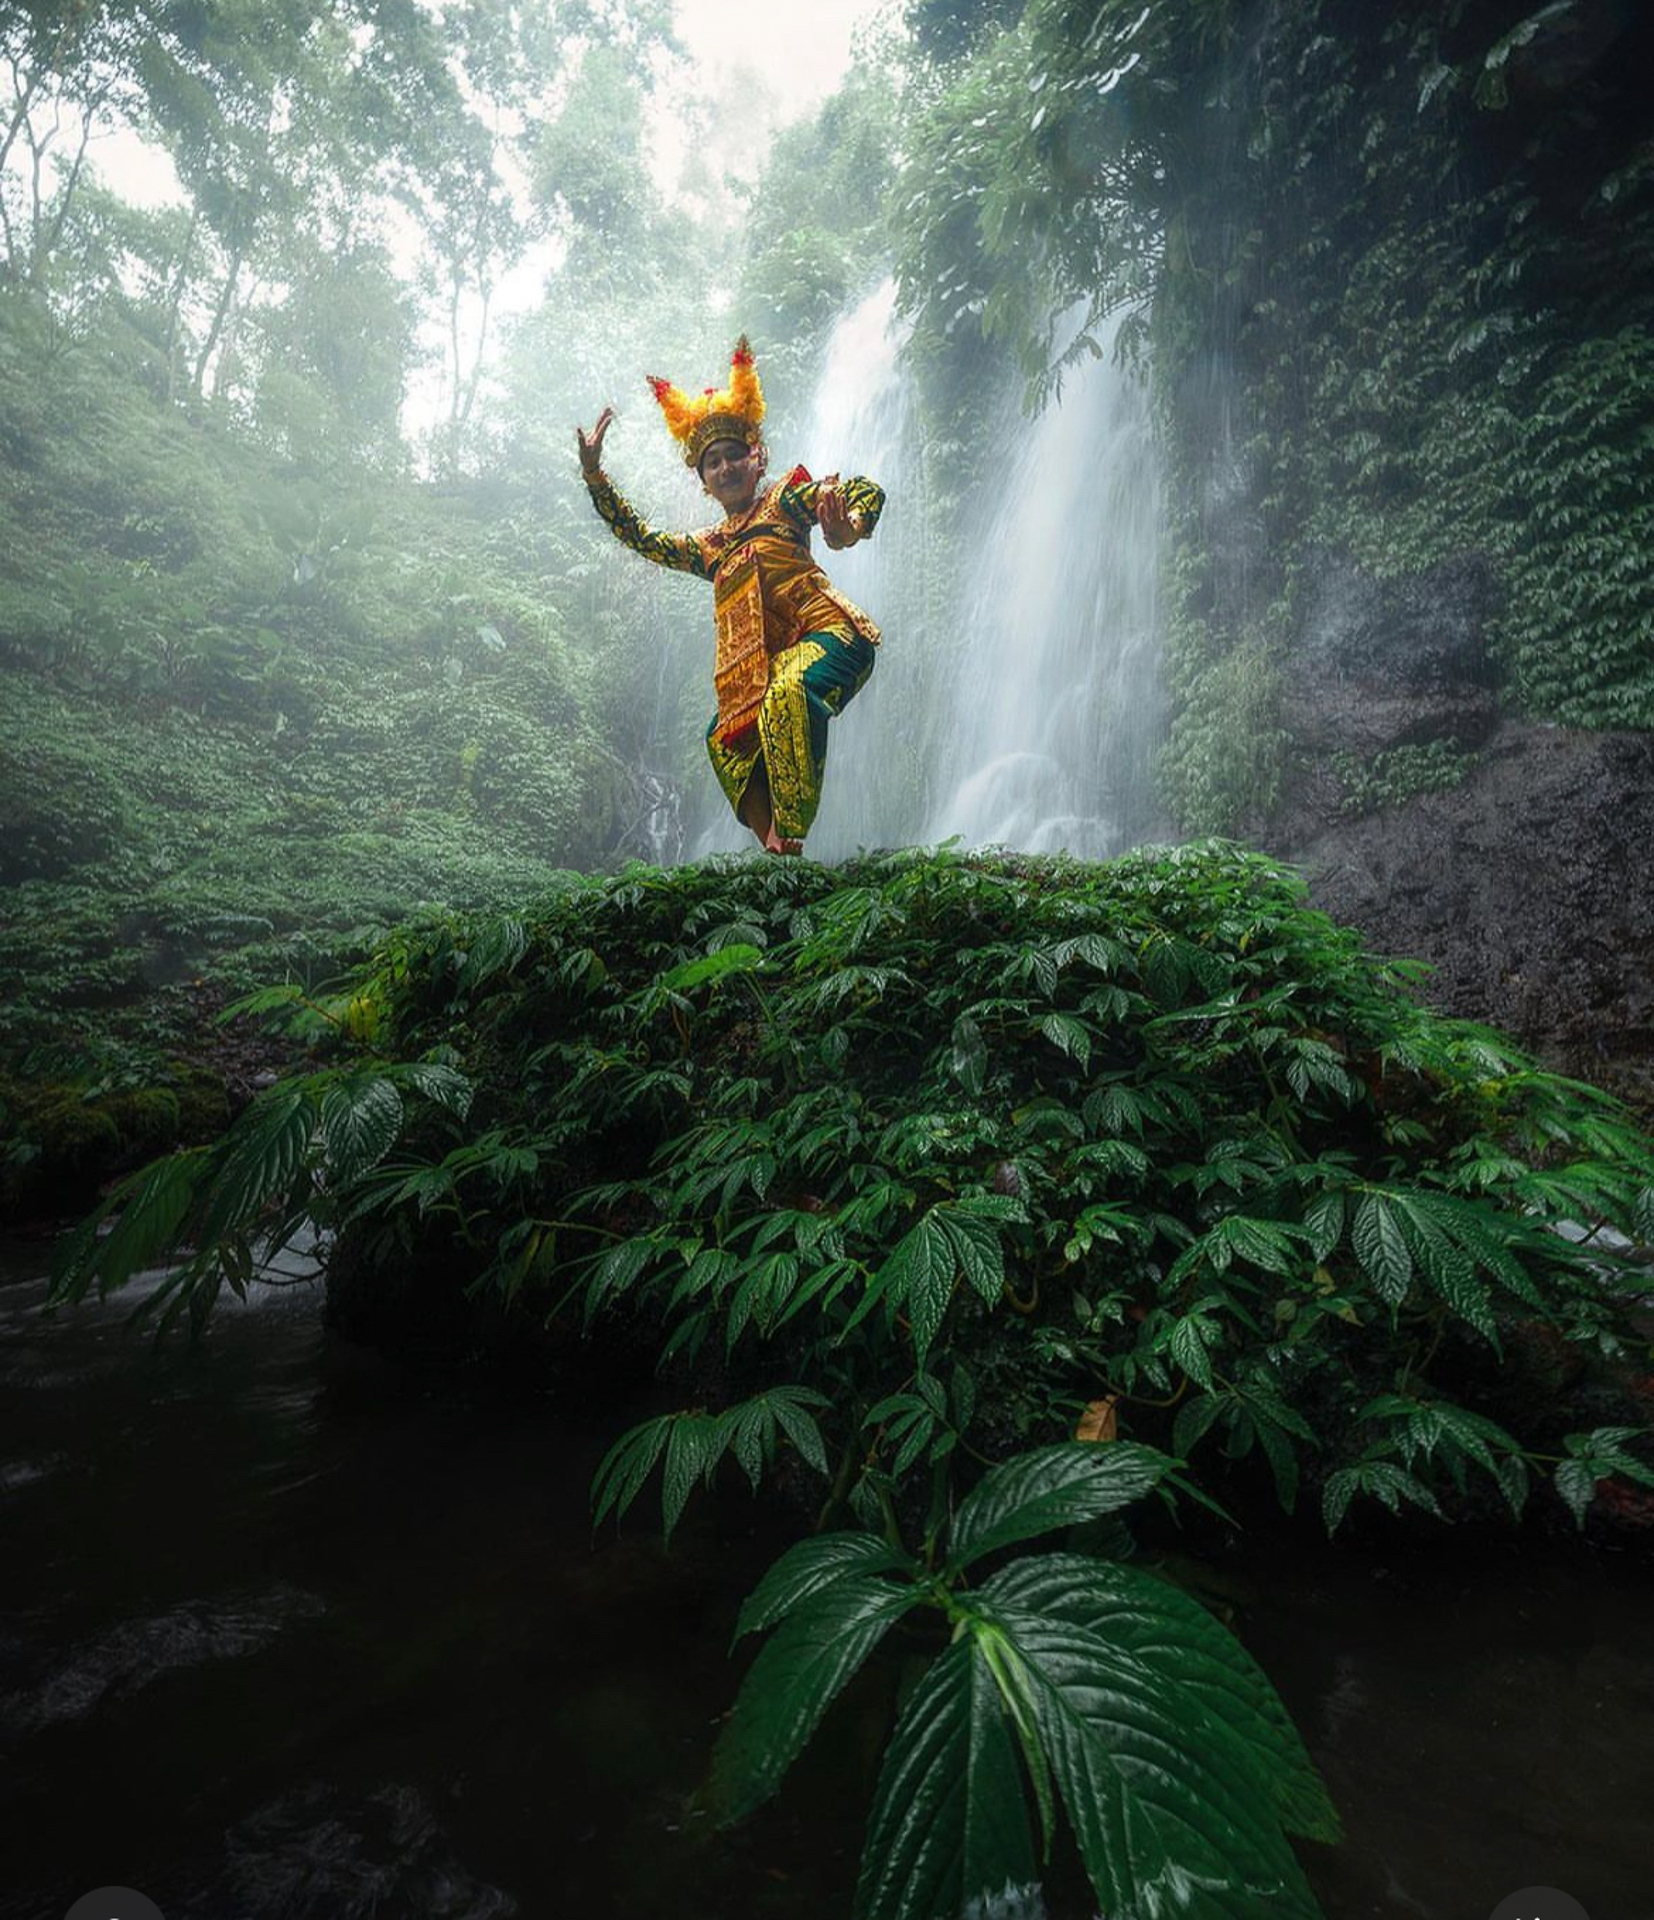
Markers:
point(290, 1631)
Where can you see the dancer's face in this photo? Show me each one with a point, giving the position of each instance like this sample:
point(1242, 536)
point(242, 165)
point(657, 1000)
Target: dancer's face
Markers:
point(730, 472)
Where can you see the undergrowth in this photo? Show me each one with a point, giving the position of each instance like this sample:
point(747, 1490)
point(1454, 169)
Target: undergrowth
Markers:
point(995, 1194)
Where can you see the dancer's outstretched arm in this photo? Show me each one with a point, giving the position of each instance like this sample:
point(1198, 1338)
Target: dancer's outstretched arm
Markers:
point(680, 551)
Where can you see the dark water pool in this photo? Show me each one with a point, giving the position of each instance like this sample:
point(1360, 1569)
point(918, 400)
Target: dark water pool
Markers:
point(288, 1632)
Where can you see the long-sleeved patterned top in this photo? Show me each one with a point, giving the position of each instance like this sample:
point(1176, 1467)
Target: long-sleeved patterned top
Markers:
point(768, 591)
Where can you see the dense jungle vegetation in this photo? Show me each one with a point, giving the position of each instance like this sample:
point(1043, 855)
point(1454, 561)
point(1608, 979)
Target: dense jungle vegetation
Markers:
point(981, 1202)
point(911, 1169)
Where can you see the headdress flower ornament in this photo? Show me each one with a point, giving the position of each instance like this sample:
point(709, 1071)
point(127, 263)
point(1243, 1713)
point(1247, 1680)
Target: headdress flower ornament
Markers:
point(735, 412)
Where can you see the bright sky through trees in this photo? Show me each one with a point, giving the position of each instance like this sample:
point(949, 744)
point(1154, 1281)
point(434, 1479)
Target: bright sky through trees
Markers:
point(754, 67)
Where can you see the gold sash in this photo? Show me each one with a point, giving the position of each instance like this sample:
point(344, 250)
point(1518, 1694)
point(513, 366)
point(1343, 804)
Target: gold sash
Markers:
point(741, 665)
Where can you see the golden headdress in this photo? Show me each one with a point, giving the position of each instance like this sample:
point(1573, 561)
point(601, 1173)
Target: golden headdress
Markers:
point(735, 412)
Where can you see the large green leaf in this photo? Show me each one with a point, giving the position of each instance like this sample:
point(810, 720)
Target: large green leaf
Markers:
point(800, 1670)
point(360, 1119)
point(1167, 1629)
point(1049, 1487)
point(445, 1085)
point(263, 1155)
point(1381, 1248)
point(950, 1819)
point(739, 957)
point(811, 1567)
point(1175, 1815)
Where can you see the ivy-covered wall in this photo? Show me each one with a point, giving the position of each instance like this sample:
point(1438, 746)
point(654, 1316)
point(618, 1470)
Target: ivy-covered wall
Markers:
point(1405, 315)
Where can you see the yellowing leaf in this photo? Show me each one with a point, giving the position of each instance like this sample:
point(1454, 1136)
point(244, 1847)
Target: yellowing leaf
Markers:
point(1099, 1421)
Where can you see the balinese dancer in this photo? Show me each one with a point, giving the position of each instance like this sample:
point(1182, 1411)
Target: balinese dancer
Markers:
point(792, 652)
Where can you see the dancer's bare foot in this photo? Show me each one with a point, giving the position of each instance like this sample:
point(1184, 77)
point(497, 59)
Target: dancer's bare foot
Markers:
point(774, 843)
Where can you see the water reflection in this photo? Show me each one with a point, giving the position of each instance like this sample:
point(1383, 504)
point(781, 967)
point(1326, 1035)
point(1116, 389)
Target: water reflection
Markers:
point(289, 1632)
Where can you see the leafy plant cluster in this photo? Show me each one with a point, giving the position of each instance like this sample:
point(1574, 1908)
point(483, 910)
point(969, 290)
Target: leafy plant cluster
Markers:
point(910, 1170)
point(1387, 779)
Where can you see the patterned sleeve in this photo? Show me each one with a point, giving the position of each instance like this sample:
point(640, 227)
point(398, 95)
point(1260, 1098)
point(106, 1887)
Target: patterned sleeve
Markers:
point(861, 495)
point(681, 551)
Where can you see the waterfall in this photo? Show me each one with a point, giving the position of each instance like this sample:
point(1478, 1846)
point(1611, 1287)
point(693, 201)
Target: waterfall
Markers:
point(1054, 704)
point(1019, 703)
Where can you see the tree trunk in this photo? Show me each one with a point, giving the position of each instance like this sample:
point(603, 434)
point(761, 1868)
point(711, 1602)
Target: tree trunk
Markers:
point(221, 314)
point(49, 245)
point(175, 306)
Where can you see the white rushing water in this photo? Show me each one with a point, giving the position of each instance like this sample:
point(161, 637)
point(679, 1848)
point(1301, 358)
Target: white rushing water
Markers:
point(1017, 704)
point(1055, 705)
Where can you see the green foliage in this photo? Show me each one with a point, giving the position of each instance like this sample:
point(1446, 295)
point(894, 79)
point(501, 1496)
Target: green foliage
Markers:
point(239, 1201)
point(1419, 283)
point(1225, 753)
point(1065, 1680)
point(251, 714)
point(904, 1165)
point(1389, 779)
point(1047, 1132)
point(1043, 174)
point(691, 1444)
point(1393, 273)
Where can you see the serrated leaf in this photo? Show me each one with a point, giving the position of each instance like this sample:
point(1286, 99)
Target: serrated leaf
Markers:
point(1194, 1419)
point(619, 1269)
point(1263, 1242)
point(810, 1568)
point(151, 1207)
point(1160, 1624)
point(1381, 1247)
point(976, 1248)
point(692, 1449)
point(1071, 1035)
point(262, 1156)
point(792, 1414)
point(1336, 1495)
point(1166, 1802)
point(800, 1670)
point(1447, 1268)
point(359, 1122)
point(1576, 1482)
point(1188, 1349)
point(917, 1278)
point(445, 1085)
point(751, 1430)
point(949, 1823)
point(626, 1466)
point(1324, 1222)
point(1048, 1487)
point(739, 957)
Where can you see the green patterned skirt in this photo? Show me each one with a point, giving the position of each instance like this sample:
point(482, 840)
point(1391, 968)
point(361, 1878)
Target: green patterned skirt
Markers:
point(811, 683)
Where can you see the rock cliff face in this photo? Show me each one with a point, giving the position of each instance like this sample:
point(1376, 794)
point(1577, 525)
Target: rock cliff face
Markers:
point(1529, 886)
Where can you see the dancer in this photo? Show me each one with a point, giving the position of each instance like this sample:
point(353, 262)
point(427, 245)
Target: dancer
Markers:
point(792, 651)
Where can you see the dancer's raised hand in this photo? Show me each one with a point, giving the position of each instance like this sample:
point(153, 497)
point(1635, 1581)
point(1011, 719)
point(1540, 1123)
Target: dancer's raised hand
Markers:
point(591, 444)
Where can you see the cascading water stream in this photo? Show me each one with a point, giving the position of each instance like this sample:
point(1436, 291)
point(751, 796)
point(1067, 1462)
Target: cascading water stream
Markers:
point(1055, 703)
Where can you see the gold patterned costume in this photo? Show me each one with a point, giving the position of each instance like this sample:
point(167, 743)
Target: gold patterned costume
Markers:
point(791, 649)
